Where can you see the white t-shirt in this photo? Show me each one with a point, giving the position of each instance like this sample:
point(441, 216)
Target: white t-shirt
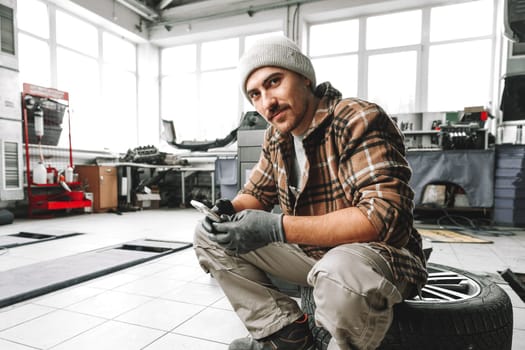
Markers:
point(299, 162)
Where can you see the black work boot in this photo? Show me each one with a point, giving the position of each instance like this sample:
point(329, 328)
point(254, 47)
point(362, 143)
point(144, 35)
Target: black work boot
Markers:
point(296, 336)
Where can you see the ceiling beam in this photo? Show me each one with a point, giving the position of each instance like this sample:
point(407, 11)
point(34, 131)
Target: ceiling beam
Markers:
point(177, 14)
point(163, 4)
point(141, 9)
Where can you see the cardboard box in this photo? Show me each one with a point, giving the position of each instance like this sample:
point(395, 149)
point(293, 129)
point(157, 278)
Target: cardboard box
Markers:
point(148, 200)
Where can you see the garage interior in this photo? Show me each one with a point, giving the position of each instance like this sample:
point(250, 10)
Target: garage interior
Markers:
point(115, 114)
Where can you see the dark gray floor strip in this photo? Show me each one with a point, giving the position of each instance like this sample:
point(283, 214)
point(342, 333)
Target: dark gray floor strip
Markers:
point(33, 280)
point(24, 238)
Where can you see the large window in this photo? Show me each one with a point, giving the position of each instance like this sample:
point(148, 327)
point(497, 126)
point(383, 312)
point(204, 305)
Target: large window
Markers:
point(179, 89)
point(392, 81)
point(332, 45)
point(119, 92)
point(200, 96)
point(33, 17)
point(219, 91)
point(460, 55)
point(76, 34)
point(336, 59)
point(389, 58)
point(34, 60)
point(96, 68)
point(429, 59)
point(199, 87)
point(391, 44)
point(393, 30)
point(33, 43)
point(83, 86)
point(78, 74)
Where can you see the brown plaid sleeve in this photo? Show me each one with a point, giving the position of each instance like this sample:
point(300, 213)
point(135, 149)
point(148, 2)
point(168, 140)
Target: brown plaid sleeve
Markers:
point(373, 170)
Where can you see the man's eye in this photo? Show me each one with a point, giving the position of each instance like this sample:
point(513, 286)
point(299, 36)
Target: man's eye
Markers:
point(274, 81)
point(253, 95)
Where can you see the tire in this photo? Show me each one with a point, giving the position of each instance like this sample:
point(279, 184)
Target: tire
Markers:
point(6, 217)
point(459, 311)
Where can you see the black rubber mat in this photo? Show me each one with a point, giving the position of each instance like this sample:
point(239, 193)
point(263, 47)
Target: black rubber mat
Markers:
point(24, 238)
point(29, 281)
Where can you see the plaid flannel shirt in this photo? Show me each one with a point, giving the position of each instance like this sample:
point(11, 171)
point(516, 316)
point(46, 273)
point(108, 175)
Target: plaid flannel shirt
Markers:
point(355, 158)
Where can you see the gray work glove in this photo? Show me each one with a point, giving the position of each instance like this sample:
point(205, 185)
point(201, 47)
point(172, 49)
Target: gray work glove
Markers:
point(248, 230)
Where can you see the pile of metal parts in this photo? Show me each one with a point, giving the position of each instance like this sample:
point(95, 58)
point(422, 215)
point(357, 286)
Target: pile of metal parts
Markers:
point(151, 155)
point(145, 154)
point(469, 133)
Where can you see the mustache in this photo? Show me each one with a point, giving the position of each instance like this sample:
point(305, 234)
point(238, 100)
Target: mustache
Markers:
point(274, 108)
point(277, 108)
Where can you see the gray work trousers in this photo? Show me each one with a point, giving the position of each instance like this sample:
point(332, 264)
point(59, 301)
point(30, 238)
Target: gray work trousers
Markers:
point(354, 290)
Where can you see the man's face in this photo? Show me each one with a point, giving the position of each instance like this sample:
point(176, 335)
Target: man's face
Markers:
point(282, 97)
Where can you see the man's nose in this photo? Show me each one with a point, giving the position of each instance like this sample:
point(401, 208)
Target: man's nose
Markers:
point(269, 102)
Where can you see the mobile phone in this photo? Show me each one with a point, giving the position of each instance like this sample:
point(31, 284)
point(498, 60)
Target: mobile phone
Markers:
point(213, 216)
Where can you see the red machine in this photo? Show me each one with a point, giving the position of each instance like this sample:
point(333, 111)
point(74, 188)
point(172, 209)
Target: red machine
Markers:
point(49, 169)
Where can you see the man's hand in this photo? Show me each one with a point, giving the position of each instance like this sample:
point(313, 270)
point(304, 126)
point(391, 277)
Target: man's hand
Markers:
point(248, 230)
point(224, 208)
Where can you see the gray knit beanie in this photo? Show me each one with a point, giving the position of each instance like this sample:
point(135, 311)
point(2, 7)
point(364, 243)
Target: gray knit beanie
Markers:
point(275, 51)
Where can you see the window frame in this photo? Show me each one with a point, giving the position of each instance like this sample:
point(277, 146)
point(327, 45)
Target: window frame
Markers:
point(423, 48)
point(80, 140)
point(242, 104)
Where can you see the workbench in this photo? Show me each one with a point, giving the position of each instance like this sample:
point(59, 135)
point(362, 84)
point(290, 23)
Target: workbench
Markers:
point(194, 162)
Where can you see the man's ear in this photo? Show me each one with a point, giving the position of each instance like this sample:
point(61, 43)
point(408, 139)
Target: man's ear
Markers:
point(308, 82)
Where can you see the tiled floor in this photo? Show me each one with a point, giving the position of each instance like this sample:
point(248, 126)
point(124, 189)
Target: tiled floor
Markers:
point(168, 303)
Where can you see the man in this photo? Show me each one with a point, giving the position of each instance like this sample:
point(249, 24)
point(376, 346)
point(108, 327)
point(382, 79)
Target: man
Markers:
point(337, 169)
